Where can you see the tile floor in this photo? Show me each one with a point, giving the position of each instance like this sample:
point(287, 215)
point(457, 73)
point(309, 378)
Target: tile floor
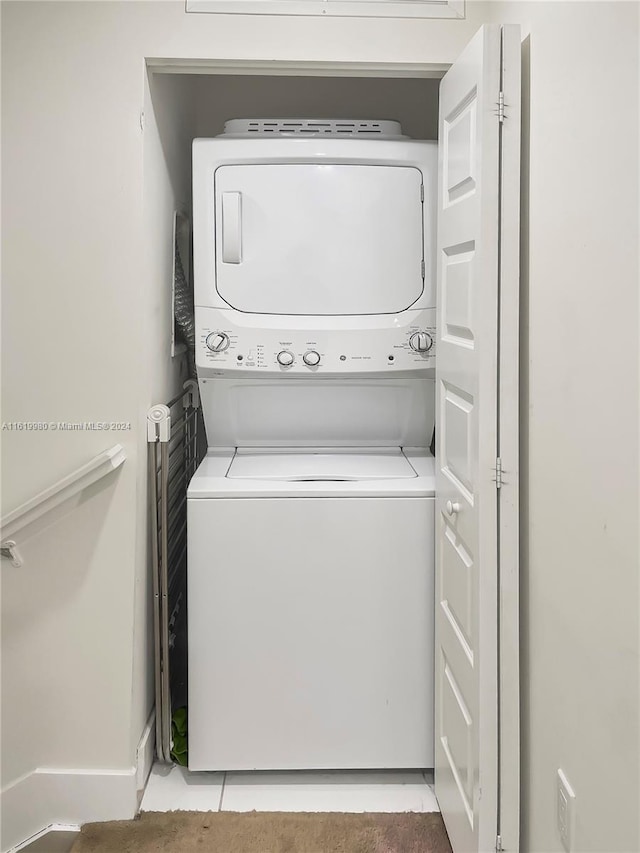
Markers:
point(176, 789)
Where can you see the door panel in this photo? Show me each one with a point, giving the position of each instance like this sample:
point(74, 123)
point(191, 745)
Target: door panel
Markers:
point(456, 574)
point(456, 294)
point(467, 566)
point(460, 150)
point(456, 421)
point(457, 736)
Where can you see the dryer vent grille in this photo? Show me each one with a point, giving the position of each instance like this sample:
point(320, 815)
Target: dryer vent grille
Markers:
point(364, 128)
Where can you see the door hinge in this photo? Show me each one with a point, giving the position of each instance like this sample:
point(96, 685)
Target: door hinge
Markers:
point(422, 269)
point(422, 192)
point(498, 844)
point(498, 477)
point(501, 107)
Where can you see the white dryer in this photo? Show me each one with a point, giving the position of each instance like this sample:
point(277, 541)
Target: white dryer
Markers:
point(310, 521)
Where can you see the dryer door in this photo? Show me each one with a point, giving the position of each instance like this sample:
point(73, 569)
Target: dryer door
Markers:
point(319, 239)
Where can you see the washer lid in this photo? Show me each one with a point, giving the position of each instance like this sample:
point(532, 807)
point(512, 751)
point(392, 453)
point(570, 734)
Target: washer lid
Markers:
point(320, 465)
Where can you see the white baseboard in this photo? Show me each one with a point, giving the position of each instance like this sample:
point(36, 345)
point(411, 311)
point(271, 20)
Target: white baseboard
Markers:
point(145, 753)
point(49, 796)
point(50, 832)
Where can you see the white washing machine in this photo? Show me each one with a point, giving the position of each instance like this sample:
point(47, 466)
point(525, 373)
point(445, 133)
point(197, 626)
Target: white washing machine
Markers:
point(310, 521)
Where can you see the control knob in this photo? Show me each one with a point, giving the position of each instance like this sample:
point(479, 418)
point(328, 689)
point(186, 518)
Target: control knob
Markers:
point(421, 342)
point(217, 341)
point(311, 358)
point(285, 358)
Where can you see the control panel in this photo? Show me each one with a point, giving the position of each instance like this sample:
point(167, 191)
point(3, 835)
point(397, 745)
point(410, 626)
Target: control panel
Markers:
point(387, 346)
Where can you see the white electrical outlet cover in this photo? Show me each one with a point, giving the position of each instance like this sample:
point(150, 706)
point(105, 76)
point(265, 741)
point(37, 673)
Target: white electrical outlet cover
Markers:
point(565, 810)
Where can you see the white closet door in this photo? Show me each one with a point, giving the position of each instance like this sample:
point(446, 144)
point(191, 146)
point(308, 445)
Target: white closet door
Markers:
point(471, 314)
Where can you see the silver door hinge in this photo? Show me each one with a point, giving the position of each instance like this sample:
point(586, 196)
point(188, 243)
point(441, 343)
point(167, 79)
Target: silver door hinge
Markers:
point(498, 477)
point(500, 107)
point(498, 844)
point(421, 192)
point(422, 269)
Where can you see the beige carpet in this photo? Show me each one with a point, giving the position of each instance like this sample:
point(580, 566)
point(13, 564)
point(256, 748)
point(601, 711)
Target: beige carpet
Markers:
point(266, 832)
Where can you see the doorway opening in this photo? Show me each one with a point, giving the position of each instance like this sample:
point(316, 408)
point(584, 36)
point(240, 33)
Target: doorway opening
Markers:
point(187, 102)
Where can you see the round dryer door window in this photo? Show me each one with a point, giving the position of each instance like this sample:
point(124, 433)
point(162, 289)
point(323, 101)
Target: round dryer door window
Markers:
point(319, 239)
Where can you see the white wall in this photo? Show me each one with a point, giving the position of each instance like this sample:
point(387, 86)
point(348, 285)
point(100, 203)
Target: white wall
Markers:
point(579, 411)
point(72, 200)
point(169, 112)
point(84, 319)
point(83, 339)
point(70, 314)
point(412, 102)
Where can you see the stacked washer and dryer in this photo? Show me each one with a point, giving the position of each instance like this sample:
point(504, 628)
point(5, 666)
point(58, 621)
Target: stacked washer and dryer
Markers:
point(311, 519)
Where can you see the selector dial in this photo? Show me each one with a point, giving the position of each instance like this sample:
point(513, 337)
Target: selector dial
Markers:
point(421, 342)
point(285, 358)
point(217, 341)
point(311, 358)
